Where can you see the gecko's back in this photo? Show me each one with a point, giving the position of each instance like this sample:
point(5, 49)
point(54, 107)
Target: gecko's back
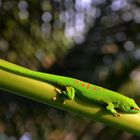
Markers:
point(96, 93)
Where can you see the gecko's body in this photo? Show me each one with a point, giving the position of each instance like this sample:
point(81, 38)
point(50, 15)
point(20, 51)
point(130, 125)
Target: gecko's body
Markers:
point(79, 88)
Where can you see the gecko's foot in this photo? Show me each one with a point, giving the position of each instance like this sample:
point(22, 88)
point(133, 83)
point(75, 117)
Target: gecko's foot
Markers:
point(116, 114)
point(110, 108)
point(68, 93)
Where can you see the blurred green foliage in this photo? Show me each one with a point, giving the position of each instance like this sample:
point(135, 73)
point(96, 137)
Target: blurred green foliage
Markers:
point(93, 40)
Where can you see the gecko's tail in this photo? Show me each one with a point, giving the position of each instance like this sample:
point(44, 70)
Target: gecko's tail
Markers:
point(45, 77)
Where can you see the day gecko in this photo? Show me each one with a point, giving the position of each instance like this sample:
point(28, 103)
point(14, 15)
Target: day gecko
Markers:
point(73, 87)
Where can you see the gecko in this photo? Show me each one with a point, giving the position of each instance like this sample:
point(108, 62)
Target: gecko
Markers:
point(72, 87)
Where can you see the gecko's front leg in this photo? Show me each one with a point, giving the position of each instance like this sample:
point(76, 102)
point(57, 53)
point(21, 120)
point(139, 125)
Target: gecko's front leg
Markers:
point(110, 108)
point(69, 93)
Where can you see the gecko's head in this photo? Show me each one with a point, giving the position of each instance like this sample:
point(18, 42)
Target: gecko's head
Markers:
point(130, 106)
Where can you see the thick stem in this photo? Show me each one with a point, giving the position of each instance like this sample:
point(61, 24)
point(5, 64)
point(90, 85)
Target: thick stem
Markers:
point(44, 93)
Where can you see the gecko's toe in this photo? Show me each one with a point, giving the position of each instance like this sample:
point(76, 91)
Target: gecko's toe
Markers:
point(57, 90)
point(117, 115)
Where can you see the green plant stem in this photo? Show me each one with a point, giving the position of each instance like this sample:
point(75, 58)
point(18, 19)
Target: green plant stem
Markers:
point(44, 93)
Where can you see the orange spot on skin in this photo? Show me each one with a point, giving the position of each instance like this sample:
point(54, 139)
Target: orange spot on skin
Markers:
point(94, 88)
point(83, 85)
point(88, 86)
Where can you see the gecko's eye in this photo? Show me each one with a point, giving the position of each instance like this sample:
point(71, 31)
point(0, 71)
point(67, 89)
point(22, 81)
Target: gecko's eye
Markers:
point(132, 108)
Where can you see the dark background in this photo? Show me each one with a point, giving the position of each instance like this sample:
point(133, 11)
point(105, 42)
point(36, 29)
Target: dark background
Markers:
point(97, 41)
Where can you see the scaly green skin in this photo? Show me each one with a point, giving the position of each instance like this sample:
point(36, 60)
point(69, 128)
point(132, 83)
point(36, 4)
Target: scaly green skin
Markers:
point(83, 89)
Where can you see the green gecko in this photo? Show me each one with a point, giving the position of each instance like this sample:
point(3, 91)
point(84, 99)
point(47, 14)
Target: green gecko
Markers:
point(73, 87)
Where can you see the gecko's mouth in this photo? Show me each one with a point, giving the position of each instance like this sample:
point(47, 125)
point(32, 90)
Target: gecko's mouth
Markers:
point(136, 108)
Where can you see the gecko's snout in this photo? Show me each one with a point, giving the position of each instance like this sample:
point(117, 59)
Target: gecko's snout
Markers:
point(134, 108)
